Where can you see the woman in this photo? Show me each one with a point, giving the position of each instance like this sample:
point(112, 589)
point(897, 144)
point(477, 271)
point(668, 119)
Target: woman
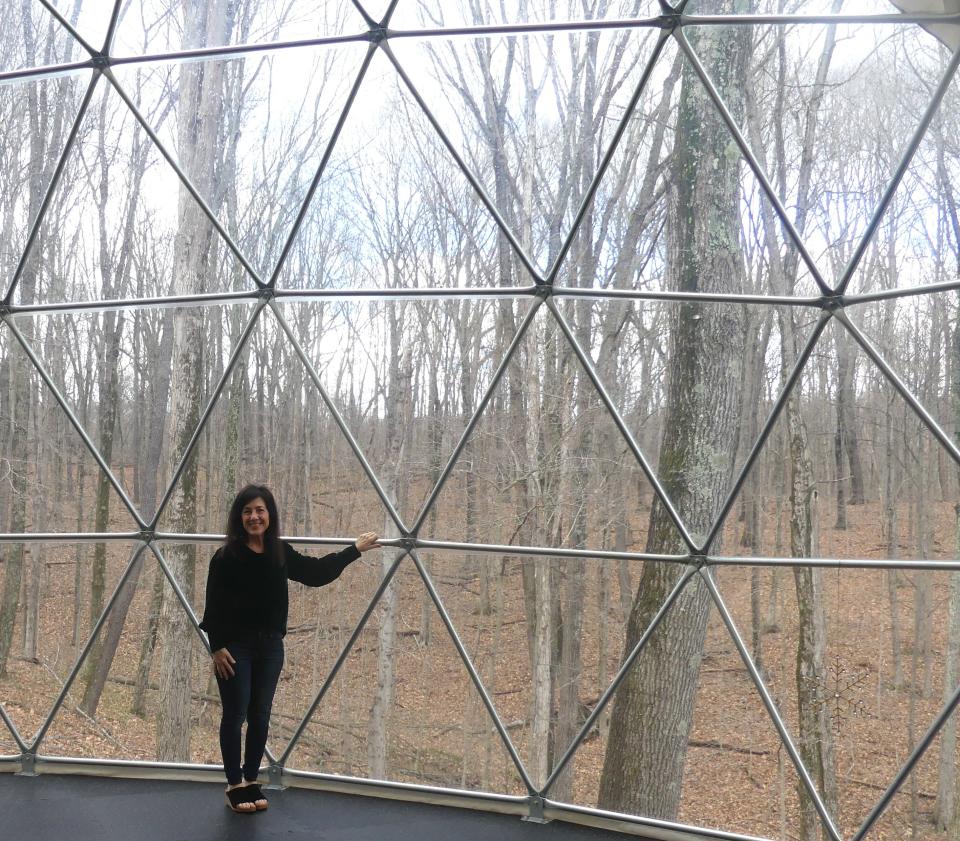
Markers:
point(245, 617)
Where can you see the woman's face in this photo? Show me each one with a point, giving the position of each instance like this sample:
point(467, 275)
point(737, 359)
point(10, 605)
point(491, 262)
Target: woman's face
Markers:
point(256, 518)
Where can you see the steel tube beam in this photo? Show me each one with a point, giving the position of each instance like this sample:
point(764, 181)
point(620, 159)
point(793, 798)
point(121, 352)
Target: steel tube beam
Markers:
point(358, 784)
point(224, 378)
point(233, 51)
point(111, 28)
point(834, 563)
point(475, 419)
point(474, 676)
point(363, 13)
point(414, 292)
point(618, 678)
point(48, 71)
point(441, 293)
point(891, 294)
point(653, 828)
point(771, 707)
point(689, 297)
point(587, 364)
point(548, 551)
point(768, 425)
point(340, 422)
point(68, 537)
point(342, 657)
point(94, 633)
point(203, 299)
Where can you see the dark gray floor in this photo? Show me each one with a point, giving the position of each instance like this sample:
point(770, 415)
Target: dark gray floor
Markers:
point(77, 808)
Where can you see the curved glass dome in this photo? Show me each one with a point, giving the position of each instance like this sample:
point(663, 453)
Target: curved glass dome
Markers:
point(633, 329)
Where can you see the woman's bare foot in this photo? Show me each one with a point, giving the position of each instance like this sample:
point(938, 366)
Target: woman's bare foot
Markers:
point(239, 805)
point(260, 803)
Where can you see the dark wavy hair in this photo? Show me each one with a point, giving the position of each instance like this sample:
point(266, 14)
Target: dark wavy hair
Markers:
point(237, 535)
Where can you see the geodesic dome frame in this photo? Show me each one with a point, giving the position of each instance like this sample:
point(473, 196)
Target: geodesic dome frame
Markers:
point(830, 305)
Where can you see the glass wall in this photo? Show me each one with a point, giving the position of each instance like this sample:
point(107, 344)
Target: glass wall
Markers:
point(635, 333)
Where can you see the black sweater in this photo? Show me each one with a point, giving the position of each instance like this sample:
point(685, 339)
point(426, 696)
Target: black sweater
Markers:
point(247, 593)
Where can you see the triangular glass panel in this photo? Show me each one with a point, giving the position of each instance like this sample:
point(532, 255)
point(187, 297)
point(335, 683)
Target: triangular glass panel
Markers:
point(560, 102)
point(60, 97)
point(270, 426)
point(433, 14)
point(57, 483)
point(806, 86)
point(276, 119)
point(738, 775)
point(877, 682)
point(496, 603)
point(546, 465)
point(127, 359)
point(66, 587)
point(429, 726)
point(151, 27)
point(158, 663)
point(916, 337)
point(393, 209)
point(915, 243)
point(727, 769)
point(407, 376)
point(639, 233)
point(871, 464)
point(8, 745)
point(692, 399)
point(922, 805)
point(115, 186)
point(319, 625)
point(90, 18)
point(190, 573)
point(34, 38)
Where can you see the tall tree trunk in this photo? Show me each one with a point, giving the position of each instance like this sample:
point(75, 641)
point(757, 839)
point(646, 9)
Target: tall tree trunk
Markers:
point(200, 117)
point(396, 421)
point(652, 713)
point(21, 371)
point(946, 808)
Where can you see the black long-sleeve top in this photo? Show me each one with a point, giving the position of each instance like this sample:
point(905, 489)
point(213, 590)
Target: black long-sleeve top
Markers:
point(247, 592)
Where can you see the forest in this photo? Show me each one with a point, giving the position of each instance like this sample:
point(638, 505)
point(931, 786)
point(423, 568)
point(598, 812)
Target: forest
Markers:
point(637, 339)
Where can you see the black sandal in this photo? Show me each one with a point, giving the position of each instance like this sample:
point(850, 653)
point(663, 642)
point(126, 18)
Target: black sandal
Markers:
point(254, 793)
point(237, 796)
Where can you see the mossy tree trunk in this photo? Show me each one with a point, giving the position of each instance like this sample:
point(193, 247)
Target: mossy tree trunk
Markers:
point(652, 712)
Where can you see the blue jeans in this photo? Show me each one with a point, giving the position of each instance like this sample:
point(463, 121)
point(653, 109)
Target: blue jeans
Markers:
point(248, 696)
